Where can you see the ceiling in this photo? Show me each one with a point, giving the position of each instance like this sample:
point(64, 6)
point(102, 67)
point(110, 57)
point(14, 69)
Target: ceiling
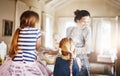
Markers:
point(58, 3)
point(50, 3)
point(47, 1)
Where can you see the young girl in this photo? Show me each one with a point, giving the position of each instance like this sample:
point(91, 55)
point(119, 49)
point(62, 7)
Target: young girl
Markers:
point(22, 52)
point(66, 65)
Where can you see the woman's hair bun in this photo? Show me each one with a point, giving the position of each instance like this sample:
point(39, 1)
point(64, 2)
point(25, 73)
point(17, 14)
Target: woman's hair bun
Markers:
point(77, 12)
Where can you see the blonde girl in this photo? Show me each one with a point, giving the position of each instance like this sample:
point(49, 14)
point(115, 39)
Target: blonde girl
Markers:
point(66, 65)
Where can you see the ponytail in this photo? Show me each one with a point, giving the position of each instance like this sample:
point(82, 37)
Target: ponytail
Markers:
point(71, 56)
point(71, 63)
point(13, 47)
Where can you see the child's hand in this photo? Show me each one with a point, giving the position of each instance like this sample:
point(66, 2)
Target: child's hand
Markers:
point(50, 52)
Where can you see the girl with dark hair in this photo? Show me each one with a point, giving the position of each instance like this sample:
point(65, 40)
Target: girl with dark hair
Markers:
point(81, 35)
point(25, 43)
point(66, 65)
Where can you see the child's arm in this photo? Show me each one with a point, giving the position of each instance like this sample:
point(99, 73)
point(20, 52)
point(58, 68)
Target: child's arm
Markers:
point(51, 52)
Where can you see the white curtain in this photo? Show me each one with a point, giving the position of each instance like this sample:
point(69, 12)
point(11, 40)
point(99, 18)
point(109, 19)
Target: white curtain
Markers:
point(104, 34)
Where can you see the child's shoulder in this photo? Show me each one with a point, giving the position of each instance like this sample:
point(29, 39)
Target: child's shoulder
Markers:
point(58, 58)
point(30, 28)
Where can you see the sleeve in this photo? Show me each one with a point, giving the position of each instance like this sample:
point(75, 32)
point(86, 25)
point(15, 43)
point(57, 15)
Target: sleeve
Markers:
point(69, 32)
point(87, 48)
point(38, 34)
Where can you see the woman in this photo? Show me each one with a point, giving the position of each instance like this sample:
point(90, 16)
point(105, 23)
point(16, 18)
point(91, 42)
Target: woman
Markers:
point(81, 35)
point(22, 52)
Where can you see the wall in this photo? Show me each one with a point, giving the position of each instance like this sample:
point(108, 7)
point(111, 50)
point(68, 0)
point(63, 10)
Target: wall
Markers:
point(117, 62)
point(12, 12)
point(21, 6)
point(95, 7)
point(42, 11)
point(7, 11)
point(47, 26)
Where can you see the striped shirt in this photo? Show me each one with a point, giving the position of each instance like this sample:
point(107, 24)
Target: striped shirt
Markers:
point(27, 44)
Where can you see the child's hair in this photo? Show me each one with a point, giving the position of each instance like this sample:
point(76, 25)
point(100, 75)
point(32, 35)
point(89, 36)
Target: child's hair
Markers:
point(27, 19)
point(67, 48)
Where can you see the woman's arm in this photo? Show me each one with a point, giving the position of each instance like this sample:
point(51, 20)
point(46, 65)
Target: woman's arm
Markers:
point(87, 48)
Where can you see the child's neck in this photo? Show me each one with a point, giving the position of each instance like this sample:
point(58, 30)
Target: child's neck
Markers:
point(65, 57)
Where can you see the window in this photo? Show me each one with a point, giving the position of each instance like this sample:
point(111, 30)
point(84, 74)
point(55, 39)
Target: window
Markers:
point(48, 30)
point(105, 32)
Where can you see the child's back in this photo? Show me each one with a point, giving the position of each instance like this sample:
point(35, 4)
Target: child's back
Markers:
point(62, 68)
point(66, 65)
